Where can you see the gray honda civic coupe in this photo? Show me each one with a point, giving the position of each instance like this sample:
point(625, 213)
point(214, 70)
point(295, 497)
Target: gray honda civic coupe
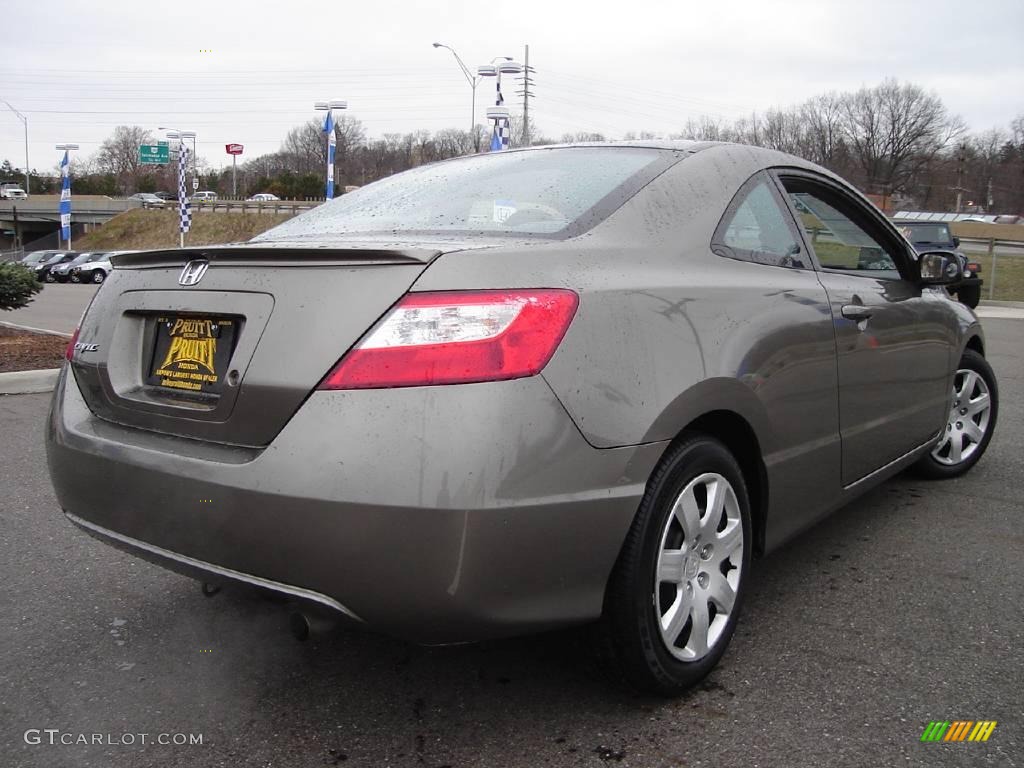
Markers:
point(519, 391)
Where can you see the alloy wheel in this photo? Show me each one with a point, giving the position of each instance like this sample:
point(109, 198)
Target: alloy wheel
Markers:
point(968, 419)
point(699, 567)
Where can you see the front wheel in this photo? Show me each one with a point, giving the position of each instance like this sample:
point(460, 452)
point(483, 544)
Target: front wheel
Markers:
point(971, 420)
point(675, 593)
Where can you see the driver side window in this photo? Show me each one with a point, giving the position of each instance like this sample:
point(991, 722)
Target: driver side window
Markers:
point(836, 239)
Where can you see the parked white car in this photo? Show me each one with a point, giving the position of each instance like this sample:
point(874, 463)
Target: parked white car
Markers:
point(12, 192)
point(263, 197)
point(92, 271)
point(204, 197)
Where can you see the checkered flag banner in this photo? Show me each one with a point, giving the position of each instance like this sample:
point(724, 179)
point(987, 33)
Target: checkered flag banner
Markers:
point(500, 135)
point(65, 197)
point(332, 142)
point(184, 208)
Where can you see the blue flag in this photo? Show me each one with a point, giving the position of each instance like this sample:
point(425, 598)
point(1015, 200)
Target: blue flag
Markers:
point(331, 145)
point(65, 197)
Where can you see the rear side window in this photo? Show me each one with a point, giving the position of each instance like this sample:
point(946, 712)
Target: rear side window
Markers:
point(756, 228)
point(541, 192)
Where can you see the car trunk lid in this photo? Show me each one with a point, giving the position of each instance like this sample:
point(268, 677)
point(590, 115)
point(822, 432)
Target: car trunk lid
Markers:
point(232, 356)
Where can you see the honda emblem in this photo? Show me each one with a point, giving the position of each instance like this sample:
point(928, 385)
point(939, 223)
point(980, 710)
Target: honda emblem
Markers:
point(193, 272)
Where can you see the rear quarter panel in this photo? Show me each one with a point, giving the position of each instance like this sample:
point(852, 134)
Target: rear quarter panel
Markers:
point(667, 331)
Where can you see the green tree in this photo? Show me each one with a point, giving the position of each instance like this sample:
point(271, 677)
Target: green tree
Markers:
point(17, 285)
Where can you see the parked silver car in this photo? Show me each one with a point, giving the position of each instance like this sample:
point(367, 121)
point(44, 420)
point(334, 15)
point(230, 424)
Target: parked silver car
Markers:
point(62, 273)
point(523, 390)
point(93, 270)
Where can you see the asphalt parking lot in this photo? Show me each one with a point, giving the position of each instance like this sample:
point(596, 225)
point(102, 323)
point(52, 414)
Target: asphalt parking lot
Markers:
point(902, 608)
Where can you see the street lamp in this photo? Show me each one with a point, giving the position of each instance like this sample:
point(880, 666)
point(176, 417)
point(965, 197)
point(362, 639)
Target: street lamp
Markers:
point(25, 121)
point(173, 133)
point(473, 80)
point(184, 212)
point(499, 113)
point(65, 192)
point(332, 140)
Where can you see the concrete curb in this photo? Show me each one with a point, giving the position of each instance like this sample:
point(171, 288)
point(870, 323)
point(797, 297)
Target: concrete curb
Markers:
point(991, 303)
point(28, 382)
point(35, 330)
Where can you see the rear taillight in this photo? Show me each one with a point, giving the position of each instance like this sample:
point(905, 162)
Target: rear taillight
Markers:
point(70, 351)
point(458, 337)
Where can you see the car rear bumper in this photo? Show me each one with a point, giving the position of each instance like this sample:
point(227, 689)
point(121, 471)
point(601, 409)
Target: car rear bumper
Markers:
point(439, 514)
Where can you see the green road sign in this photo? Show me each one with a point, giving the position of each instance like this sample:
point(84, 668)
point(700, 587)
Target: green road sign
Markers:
point(154, 154)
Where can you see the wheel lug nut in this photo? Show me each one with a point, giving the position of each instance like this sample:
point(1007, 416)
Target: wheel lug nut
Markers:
point(705, 552)
point(963, 411)
point(959, 425)
point(702, 579)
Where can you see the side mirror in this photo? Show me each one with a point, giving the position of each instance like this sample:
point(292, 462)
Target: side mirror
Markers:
point(940, 268)
point(956, 241)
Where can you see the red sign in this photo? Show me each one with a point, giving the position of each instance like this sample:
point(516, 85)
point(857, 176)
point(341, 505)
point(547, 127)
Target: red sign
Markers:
point(233, 149)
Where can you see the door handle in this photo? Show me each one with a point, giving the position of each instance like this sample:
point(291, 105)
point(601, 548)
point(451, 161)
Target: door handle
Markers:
point(856, 312)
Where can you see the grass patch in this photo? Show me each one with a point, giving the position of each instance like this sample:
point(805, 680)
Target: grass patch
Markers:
point(1009, 273)
point(141, 229)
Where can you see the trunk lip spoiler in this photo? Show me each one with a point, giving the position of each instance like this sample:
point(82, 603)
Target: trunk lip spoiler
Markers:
point(291, 255)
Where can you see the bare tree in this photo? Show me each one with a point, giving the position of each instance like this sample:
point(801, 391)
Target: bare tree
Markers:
point(822, 117)
point(895, 130)
point(119, 155)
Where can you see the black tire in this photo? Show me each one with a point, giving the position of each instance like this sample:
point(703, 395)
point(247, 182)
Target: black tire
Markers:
point(99, 276)
point(969, 293)
point(930, 466)
point(50, 278)
point(630, 632)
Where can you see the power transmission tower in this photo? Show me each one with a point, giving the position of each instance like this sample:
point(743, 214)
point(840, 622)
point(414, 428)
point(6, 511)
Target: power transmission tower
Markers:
point(526, 93)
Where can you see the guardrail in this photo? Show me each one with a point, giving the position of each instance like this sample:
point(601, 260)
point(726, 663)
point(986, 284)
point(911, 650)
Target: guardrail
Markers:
point(249, 206)
point(990, 245)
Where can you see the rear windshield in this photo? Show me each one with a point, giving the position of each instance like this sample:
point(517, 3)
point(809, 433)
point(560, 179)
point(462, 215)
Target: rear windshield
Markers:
point(542, 192)
point(926, 233)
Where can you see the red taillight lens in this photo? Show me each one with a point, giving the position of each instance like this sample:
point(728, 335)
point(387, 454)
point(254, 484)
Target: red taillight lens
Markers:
point(973, 267)
point(458, 337)
point(70, 351)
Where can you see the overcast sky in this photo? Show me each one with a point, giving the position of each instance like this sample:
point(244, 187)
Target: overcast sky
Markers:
point(76, 69)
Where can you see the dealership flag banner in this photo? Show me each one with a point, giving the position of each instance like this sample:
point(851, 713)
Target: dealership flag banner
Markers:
point(332, 143)
point(65, 197)
point(184, 209)
point(499, 138)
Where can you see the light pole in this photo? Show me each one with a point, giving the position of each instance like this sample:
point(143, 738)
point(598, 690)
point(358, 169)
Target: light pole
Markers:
point(332, 139)
point(65, 192)
point(499, 112)
point(25, 121)
point(184, 211)
point(174, 133)
point(473, 80)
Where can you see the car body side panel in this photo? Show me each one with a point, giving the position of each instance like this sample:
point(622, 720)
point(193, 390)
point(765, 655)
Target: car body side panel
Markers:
point(893, 368)
point(701, 333)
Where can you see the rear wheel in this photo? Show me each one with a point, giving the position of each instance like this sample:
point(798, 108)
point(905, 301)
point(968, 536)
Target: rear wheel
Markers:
point(971, 420)
point(675, 593)
point(99, 276)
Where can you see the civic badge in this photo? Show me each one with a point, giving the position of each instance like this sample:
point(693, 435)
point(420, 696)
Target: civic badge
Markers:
point(193, 272)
